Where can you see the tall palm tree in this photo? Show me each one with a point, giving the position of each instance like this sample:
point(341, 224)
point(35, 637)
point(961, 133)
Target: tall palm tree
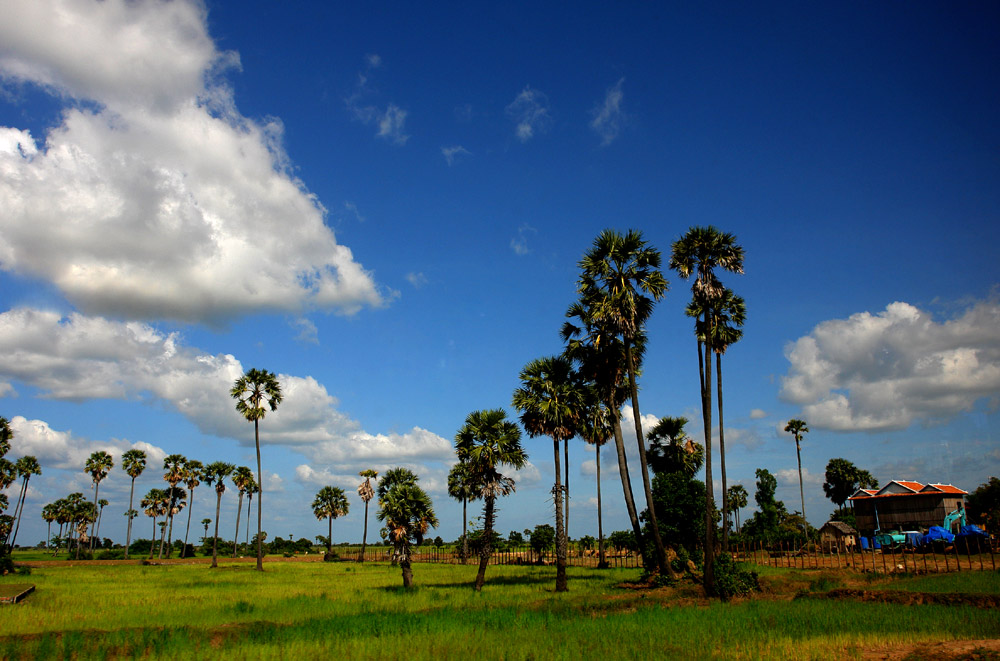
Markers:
point(407, 514)
point(242, 477)
point(671, 450)
point(620, 281)
point(255, 392)
point(192, 478)
point(738, 499)
point(596, 427)
point(485, 442)
point(330, 503)
point(102, 503)
point(50, 513)
point(216, 473)
point(175, 467)
point(155, 504)
point(6, 436)
point(133, 463)
point(461, 487)
point(699, 253)
point(251, 489)
point(26, 466)
point(61, 506)
point(797, 428)
point(550, 402)
point(366, 492)
point(98, 465)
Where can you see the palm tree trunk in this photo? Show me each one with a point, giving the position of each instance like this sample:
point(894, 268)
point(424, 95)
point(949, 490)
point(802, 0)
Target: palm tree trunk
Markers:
point(170, 527)
point(19, 511)
point(152, 542)
point(627, 488)
point(329, 536)
point(97, 485)
point(48, 536)
point(560, 530)
point(661, 553)
point(249, 507)
point(404, 563)
point(215, 539)
point(487, 549)
point(260, 497)
point(706, 411)
point(798, 456)
point(187, 530)
point(128, 534)
point(602, 562)
point(566, 482)
point(364, 536)
point(722, 453)
point(465, 531)
point(239, 512)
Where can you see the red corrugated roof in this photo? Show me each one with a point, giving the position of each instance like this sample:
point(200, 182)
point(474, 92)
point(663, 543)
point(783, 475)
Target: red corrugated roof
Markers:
point(915, 486)
point(948, 488)
point(916, 489)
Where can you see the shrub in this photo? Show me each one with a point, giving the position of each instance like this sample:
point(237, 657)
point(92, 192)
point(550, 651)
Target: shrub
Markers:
point(332, 556)
point(111, 554)
point(732, 579)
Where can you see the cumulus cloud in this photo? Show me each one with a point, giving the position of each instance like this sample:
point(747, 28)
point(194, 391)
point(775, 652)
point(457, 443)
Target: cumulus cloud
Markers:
point(155, 198)
point(607, 116)
point(81, 358)
point(61, 449)
point(530, 112)
point(888, 370)
point(758, 414)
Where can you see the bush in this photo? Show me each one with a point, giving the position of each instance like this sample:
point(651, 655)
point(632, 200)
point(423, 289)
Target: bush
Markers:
point(111, 554)
point(6, 564)
point(332, 556)
point(732, 579)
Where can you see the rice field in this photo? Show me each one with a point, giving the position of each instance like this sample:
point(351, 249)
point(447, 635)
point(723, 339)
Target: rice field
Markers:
point(301, 610)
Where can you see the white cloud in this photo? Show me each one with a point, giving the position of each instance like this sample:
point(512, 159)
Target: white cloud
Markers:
point(151, 198)
point(391, 121)
point(81, 358)
point(307, 331)
point(530, 112)
point(887, 370)
point(519, 244)
point(608, 116)
point(789, 477)
point(451, 154)
point(418, 280)
point(353, 208)
point(391, 125)
point(758, 414)
point(61, 449)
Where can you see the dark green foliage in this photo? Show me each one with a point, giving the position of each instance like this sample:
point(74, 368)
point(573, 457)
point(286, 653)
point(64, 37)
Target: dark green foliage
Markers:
point(984, 506)
point(843, 479)
point(542, 538)
point(515, 537)
point(6, 564)
point(623, 540)
point(110, 554)
point(680, 510)
point(588, 542)
point(733, 579)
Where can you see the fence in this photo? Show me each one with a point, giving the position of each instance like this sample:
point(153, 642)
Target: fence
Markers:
point(925, 559)
point(510, 555)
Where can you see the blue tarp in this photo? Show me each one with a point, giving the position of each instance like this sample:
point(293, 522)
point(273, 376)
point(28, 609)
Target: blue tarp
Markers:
point(936, 533)
point(971, 533)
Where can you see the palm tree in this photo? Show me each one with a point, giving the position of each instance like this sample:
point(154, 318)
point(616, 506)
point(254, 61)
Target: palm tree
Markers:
point(460, 487)
point(488, 440)
point(62, 513)
point(242, 478)
point(6, 436)
point(155, 505)
point(50, 513)
point(730, 314)
point(620, 281)
point(192, 478)
point(366, 492)
point(596, 427)
point(206, 522)
point(671, 450)
point(175, 467)
point(407, 513)
point(102, 503)
point(699, 252)
point(216, 473)
point(252, 392)
point(330, 503)
point(550, 401)
point(98, 465)
point(133, 462)
point(797, 428)
point(251, 489)
point(738, 499)
point(26, 466)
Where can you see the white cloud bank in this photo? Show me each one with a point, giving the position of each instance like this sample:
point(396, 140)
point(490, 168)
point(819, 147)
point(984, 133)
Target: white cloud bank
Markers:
point(888, 370)
point(155, 198)
point(81, 358)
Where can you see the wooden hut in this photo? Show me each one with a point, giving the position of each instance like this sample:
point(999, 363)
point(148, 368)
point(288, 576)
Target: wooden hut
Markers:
point(837, 534)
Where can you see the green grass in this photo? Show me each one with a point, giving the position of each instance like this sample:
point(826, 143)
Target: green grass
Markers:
point(308, 610)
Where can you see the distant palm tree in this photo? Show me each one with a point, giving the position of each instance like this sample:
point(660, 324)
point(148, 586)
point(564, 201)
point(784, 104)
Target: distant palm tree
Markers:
point(550, 401)
point(407, 514)
point(254, 391)
point(192, 478)
point(26, 466)
point(330, 503)
point(485, 442)
point(175, 466)
point(671, 450)
point(102, 503)
point(460, 487)
point(155, 504)
point(50, 513)
point(242, 477)
point(738, 499)
point(98, 465)
point(596, 427)
point(620, 281)
point(366, 492)
point(133, 462)
point(216, 473)
point(798, 428)
point(206, 522)
point(699, 252)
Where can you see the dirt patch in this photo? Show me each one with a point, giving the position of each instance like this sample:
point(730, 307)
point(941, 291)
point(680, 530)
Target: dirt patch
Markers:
point(15, 592)
point(912, 598)
point(953, 650)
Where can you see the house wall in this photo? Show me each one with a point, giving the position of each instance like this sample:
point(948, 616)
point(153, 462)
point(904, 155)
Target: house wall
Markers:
point(904, 512)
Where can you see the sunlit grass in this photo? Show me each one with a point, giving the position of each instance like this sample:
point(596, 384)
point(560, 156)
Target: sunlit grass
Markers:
point(309, 610)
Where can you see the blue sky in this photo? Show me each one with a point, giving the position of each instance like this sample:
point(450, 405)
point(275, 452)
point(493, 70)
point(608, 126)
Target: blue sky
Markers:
point(386, 207)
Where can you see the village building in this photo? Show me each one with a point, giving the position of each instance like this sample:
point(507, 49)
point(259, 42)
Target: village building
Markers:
point(907, 505)
point(837, 534)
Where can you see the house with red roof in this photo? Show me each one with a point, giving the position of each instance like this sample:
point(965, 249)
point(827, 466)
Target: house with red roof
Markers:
point(905, 505)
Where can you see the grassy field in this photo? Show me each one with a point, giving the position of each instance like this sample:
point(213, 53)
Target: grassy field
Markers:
point(298, 610)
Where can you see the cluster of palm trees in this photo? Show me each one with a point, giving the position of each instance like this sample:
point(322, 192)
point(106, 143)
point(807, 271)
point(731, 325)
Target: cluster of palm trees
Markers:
point(581, 392)
point(10, 472)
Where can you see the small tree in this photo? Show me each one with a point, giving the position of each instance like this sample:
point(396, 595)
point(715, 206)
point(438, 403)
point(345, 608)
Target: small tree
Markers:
point(366, 492)
point(407, 514)
point(330, 503)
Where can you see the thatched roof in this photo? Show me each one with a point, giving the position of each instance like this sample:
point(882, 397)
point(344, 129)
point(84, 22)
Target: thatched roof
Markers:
point(840, 527)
